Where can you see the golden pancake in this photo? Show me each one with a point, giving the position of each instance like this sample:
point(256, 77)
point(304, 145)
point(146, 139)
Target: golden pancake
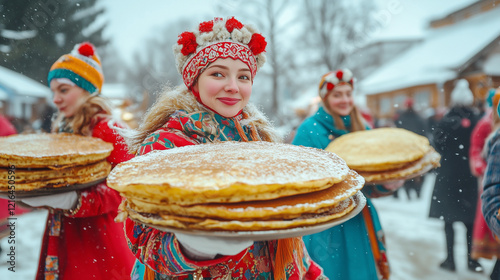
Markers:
point(227, 172)
point(47, 150)
point(429, 161)
point(280, 208)
point(182, 222)
point(42, 174)
point(53, 179)
point(379, 149)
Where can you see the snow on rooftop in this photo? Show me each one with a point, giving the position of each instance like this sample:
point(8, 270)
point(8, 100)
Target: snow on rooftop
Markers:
point(438, 56)
point(3, 94)
point(15, 83)
point(492, 65)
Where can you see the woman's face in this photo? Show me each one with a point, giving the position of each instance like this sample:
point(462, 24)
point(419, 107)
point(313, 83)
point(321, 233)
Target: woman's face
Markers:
point(225, 86)
point(340, 100)
point(67, 98)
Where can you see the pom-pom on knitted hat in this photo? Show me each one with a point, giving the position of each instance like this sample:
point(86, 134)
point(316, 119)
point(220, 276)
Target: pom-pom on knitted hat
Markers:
point(82, 66)
point(461, 94)
point(218, 38)
point(335, 78)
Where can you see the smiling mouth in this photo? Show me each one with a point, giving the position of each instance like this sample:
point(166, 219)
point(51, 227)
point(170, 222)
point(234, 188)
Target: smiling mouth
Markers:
point(229, 101)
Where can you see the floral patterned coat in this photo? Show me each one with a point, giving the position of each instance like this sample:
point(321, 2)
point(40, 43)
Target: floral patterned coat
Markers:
point(160, 251)
point(86, 243)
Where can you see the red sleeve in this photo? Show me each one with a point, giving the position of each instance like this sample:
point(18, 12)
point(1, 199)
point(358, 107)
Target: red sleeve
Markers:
point(120, 149)
point(6, 128)
point(478, 138)
point(100, 199)
point(163, 139)
point(96, 200)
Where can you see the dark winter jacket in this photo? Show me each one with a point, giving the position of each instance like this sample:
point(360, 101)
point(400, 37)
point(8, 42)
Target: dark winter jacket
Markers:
point(455, 191)
point(411, 121)
point(491, 193)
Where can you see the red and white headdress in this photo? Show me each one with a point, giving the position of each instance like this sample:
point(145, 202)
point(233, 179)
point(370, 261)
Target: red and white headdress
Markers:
point(215, 39)
point(333, 78)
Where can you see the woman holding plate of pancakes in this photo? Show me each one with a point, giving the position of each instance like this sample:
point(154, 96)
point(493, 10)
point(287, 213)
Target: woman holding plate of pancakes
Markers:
point(218, 62)
point(344, 249)
point(81, 239)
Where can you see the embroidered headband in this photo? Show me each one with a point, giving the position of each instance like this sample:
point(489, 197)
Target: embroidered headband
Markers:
point(334, 78)
point(216, 39)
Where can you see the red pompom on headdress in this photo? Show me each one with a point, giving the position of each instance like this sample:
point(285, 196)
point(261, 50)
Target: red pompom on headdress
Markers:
point(257, 44)
point(206, 26)
point(86, 49)
point(339, 74)
point(233, 23)
point(188, 42)
point(329, 86)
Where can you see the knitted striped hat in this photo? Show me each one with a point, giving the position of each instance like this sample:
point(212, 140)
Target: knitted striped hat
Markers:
point(82, 66)
point(333, 78)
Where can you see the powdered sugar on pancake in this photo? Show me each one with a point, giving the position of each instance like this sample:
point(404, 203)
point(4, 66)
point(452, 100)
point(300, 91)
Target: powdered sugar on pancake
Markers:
point(217, 165)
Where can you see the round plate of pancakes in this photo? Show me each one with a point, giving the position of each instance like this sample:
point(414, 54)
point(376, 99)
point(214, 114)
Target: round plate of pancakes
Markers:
point(256, 190)
point(383, 155)
point(46, 163)
point(263, 235)
point(18, 195)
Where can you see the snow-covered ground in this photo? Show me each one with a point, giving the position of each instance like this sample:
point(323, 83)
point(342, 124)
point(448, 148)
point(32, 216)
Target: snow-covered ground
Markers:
point(416, 244)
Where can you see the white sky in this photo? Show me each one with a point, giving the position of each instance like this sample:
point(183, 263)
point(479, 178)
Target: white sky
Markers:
point(131, 22)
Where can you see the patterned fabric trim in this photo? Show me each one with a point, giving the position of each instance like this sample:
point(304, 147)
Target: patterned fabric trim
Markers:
point(51, 268)
point(55, 225)
point(72, 212)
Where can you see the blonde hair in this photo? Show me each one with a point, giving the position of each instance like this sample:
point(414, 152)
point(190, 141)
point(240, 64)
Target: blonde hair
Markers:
point(171, 100)
point(357, 121)
point(92, 109)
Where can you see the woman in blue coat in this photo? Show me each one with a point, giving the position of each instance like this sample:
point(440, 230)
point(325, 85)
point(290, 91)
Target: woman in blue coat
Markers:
point(354, 249)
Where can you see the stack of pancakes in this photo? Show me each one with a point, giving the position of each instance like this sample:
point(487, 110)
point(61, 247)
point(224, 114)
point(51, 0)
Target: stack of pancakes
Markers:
point(52, 160)
point(386, 154)
point(236, 186)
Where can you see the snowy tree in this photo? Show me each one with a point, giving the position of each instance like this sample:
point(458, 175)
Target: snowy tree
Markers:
point(58, 25)
point(274, 19)
point(154, 63)
point(334, 29)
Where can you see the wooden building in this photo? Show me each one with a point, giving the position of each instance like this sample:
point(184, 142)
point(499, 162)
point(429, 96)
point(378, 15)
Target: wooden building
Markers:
point(464, 44)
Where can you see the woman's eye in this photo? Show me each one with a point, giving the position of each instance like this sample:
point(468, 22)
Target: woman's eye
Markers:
point(244, 77)
point(217, 74)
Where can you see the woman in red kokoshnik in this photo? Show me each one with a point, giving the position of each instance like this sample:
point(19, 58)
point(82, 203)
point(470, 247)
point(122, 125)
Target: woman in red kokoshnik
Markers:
point(218, 62)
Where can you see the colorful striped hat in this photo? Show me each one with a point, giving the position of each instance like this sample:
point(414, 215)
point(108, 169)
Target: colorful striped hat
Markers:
point(82, 66)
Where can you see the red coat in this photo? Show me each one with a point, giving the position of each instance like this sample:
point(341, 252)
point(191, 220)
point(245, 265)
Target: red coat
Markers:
point(478, 138)
point(6, 128)
point(86, 243)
